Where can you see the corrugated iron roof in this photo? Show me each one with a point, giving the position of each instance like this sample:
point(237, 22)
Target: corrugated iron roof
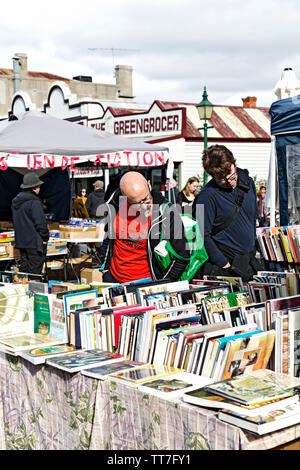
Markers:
point(48, 76)
point(124, 111)
point(229, 122)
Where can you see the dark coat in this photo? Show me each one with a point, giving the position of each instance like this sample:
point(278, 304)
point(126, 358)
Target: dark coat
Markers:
point(29, 220)
point(94, 200)
point(172, 227)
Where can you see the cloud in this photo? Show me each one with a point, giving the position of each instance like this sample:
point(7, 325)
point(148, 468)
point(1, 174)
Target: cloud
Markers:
point(175, 47)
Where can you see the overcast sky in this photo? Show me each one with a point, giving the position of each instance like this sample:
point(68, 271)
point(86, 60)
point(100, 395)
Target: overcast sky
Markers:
point(176, 47)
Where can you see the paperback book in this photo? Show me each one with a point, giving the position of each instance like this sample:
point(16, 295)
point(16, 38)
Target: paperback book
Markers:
point(49, 317)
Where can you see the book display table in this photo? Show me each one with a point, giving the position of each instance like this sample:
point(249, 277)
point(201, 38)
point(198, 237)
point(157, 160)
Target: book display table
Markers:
point(91, 252)
point(42, 408)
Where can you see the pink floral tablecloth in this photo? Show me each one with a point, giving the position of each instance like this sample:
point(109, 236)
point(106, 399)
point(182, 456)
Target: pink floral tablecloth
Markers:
point(48, 409)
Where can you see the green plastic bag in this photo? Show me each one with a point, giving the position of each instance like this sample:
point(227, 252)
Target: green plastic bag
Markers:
point(194, 238)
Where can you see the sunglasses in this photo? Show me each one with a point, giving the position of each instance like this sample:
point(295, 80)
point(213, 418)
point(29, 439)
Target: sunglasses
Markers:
point(227, 179)
point(142, 201)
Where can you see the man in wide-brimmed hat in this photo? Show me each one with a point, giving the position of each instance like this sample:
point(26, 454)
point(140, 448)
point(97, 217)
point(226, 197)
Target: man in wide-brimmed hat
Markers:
point(31, 229)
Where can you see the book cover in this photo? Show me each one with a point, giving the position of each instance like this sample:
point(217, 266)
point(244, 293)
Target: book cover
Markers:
point(249, 351)
point(284, 380)
point(49, 317)
point(75, 300)
point(248, 390)
point(174, 386)
point(40, 355)
point(144, 373)
point(278, 418)
point(83, 359)
point(235, 282)
point(223, 302)
point(16, 311)
point(102, 372)
point(24, 342)
point(218, 341)
point(201, 397)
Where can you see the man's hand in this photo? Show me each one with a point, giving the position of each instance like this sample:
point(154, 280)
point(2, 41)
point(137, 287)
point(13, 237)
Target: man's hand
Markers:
point(226, 266)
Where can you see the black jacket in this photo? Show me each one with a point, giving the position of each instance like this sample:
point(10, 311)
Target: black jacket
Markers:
point(172, 230)
point(95, 199)
point(29, 220)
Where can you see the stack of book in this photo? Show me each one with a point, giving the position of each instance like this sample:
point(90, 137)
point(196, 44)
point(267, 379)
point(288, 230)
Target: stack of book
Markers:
point(250, 402)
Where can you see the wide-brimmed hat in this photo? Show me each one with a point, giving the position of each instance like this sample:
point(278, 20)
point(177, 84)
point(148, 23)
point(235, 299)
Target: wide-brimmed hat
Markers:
point(31, 180)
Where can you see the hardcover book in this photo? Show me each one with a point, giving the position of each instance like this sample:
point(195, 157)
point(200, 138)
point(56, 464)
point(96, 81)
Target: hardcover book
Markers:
point(40, 355)
point(138, 375)
point(84, 359)
point(16, 311)
point(250, 351)
point(248, 390)
point(278, 418)
point(174, 386)
point(201, 397)
point(17, 343)
point(102, 372)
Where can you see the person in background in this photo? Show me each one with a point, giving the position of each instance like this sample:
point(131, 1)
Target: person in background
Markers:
point(188, 194)
point(30, 225)
point(134, 220)
point(172, 187)
point(261, 198)
point(95, 199)
point(79, 209)
point(230, 211)
point(83, 195)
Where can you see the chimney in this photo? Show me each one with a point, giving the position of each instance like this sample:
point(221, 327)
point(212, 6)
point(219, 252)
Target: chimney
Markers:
point(249, 102)
point(123, 75)
point(22, 64)
point(16, 75)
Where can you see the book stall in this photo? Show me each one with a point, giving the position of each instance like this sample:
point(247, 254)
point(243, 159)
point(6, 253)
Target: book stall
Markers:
point(208, 364)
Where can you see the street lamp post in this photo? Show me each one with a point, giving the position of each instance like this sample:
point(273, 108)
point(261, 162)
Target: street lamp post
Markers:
point(205, 109)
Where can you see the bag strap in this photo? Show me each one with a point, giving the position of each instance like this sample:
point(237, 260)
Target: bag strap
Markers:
point(238, 204)
point(170, 248)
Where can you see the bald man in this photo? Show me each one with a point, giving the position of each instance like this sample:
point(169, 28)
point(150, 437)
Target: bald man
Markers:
point(135, 217)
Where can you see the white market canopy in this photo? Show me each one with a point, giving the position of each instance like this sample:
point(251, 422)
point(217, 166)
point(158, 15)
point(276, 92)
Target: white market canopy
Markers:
point(37, 141)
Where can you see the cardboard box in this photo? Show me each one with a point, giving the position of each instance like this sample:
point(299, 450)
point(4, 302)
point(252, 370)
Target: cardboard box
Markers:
point(9, 251)
point(56, 247)
point(88, 275)
point(71, 232)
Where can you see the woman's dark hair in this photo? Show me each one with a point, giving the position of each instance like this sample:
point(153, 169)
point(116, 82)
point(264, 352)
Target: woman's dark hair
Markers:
point(217, 161)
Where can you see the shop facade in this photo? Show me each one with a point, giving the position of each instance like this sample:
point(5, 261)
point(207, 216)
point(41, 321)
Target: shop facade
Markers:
point(245, 130)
